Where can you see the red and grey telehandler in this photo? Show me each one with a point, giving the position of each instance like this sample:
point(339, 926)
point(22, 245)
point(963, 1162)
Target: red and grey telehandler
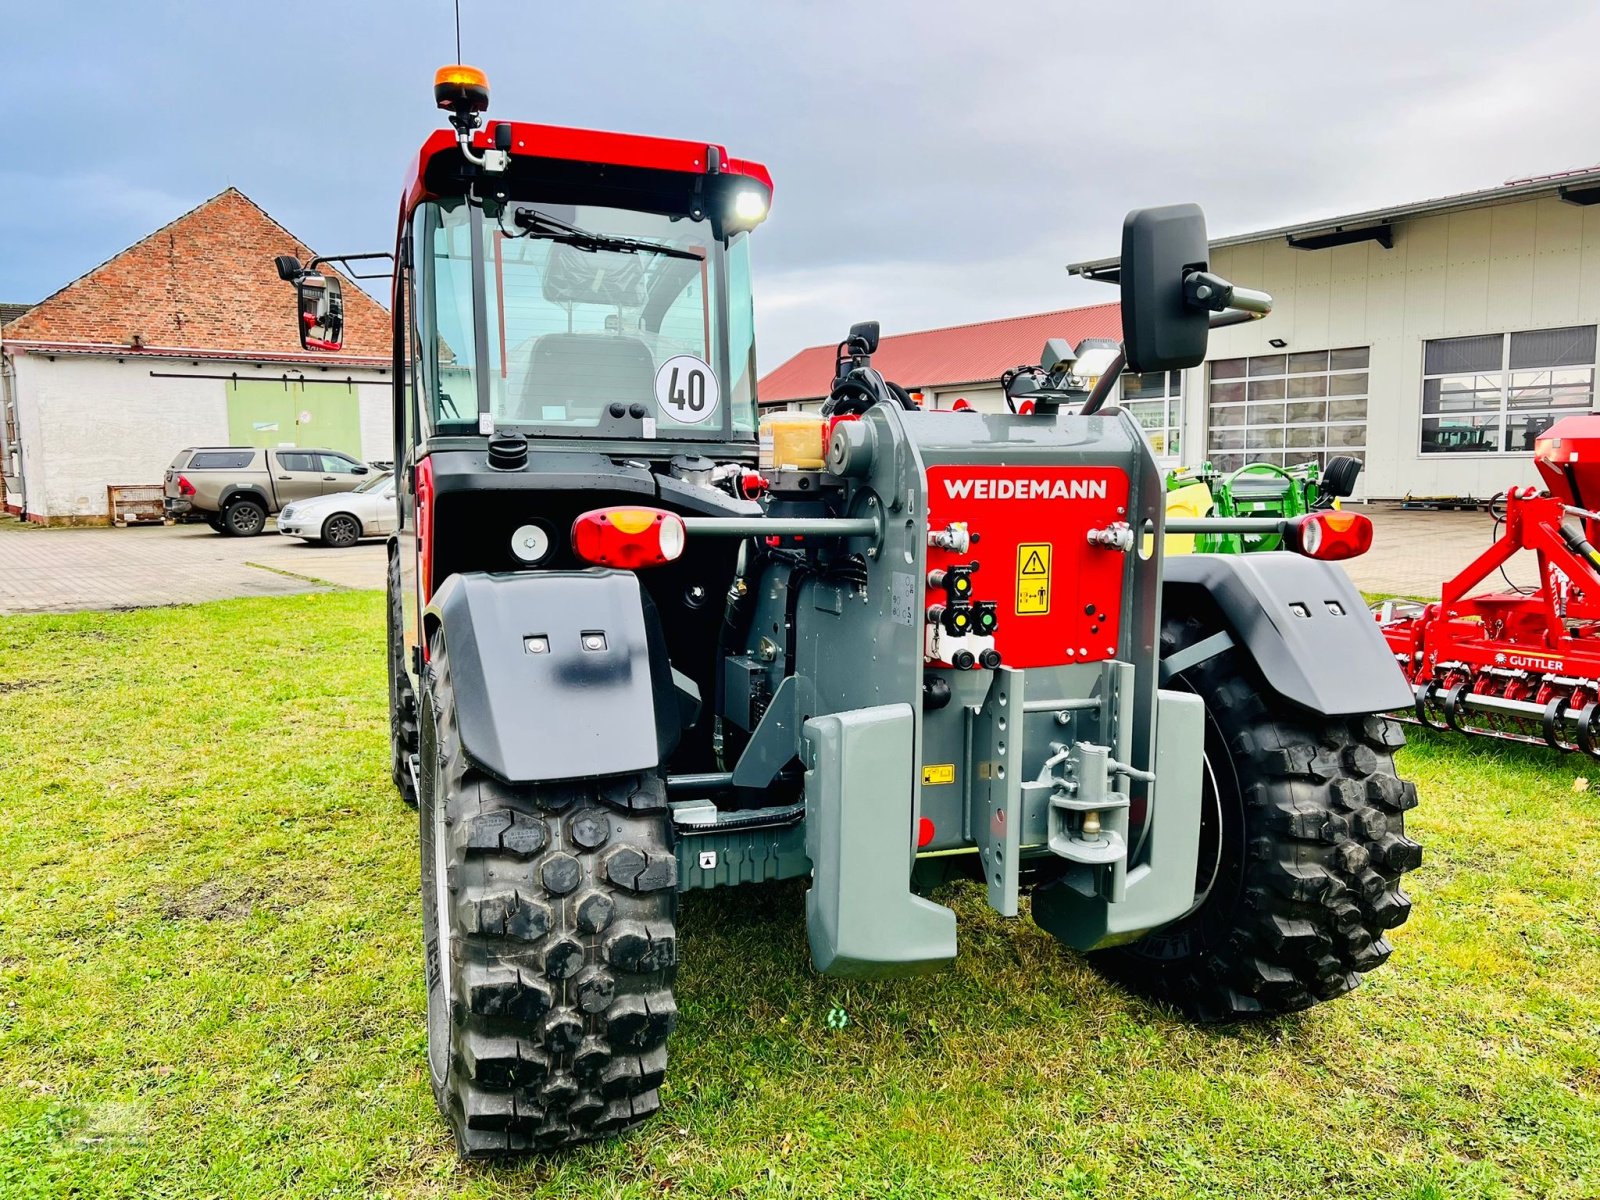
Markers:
point(644, 640)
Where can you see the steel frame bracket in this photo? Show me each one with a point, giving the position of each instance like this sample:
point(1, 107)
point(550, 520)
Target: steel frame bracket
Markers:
point(1180, 661)
point(994, 813)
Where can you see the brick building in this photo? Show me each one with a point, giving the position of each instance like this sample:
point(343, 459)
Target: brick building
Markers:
point(185, 338)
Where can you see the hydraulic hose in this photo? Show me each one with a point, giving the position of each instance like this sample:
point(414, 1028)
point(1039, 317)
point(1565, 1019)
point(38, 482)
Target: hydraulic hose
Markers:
point(1579, 543)
point(729, 634)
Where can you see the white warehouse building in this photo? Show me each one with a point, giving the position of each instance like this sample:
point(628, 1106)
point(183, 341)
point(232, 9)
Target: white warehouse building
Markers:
point(1433, 340)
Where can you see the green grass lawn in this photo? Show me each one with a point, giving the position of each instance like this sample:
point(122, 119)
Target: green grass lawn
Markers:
point(210, 983)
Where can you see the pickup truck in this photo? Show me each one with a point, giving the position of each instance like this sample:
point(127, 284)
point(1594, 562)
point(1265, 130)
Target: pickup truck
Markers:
point(235, 488)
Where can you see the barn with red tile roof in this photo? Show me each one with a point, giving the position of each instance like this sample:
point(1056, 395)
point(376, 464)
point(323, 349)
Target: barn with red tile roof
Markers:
point(185, 338)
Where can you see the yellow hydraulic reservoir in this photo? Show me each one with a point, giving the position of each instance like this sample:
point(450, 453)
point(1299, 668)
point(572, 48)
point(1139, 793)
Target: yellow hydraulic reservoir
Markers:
point(792, 441)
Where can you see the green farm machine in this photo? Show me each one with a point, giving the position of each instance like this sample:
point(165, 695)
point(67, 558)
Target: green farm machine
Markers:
point(642, 641)
point(1258, 489)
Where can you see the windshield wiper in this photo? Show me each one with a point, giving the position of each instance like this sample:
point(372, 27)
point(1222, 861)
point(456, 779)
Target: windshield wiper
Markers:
point(537, 225)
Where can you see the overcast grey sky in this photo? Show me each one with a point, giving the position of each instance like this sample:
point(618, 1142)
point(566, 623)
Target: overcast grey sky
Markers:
point(934, 162)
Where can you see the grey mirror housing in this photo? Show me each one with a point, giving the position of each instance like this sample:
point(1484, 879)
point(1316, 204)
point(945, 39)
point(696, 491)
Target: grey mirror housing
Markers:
point(1161, 330)
point(321, 300)
point(864, 334)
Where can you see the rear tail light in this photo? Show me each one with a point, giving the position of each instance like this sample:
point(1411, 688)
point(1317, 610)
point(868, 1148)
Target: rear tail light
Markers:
point(629, 538)
point(185, 488)
point(1332, 536)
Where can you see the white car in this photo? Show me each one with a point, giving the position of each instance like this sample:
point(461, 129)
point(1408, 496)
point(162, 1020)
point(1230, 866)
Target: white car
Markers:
point(344, 518)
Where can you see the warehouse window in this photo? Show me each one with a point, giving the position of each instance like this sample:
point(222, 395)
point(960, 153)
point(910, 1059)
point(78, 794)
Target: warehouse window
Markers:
point(1286, 409)
point(1156, 402)
point(1496, 393)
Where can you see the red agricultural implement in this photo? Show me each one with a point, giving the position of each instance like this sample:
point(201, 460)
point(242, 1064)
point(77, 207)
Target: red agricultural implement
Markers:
point(1519, 663)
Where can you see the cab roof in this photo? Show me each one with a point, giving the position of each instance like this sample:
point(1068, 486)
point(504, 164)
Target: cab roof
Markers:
point(662, 174)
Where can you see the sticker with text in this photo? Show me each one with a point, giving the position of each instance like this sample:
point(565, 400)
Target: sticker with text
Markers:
point(687, 390)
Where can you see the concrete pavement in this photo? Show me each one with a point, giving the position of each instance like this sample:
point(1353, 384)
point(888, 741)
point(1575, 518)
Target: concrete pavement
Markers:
point(1413, 553)
point(65, 570)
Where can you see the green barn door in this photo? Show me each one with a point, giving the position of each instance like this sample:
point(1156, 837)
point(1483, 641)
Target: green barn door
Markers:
point(260, 413)
point(329, 416)
point(269, 412)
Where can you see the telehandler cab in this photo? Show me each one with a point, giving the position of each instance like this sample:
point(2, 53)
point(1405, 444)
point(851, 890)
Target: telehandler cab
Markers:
point(641, 641)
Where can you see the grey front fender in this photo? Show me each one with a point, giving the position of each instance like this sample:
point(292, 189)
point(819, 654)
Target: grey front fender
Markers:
point(557, 674)
point(1301, 620)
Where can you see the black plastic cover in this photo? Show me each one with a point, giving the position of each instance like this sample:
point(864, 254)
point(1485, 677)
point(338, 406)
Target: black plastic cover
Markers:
point(1160, 331)
point(558, 674)
point(1304, 624)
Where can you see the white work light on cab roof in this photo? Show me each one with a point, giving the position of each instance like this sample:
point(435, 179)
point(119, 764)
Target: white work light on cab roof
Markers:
point(1094, 356)
point(750, 205)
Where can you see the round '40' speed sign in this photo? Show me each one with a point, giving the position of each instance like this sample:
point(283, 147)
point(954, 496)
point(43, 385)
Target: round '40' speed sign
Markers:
point(687, 390)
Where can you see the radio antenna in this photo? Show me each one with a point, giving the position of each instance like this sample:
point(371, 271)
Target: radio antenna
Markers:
point(458, 30)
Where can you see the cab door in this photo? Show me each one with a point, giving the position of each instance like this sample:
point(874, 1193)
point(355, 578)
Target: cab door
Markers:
point(296, 475)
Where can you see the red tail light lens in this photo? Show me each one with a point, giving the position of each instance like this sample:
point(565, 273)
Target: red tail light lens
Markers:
point(629, 538)
point(1332, 536)
point(185, 488)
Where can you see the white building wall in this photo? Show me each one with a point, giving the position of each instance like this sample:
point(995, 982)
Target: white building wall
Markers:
point(377, 416)
point(1532, 264)
point(86, 422)
point(983, 398)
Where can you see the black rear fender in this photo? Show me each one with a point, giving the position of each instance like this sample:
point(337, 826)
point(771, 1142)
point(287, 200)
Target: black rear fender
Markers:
point(559, 674)
point(1301, 620)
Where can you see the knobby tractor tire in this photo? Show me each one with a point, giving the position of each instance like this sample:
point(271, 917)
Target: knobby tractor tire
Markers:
point(402, 697)
point(1308, 855)
point(550, 945)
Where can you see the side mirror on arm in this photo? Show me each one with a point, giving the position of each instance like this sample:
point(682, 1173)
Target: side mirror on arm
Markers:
point(1161, 329)
point(321, 311)
point(863, 337)
point(1170, 299)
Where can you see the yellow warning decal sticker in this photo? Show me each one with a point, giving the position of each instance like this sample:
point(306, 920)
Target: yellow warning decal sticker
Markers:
point(939, 773)
point(1033, 578)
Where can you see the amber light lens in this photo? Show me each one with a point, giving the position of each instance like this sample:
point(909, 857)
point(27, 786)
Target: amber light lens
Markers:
point(460, 86)
point(1333, 536)
point(629, 538)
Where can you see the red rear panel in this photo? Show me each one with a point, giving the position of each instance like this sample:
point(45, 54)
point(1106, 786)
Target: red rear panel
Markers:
point(1059, 597)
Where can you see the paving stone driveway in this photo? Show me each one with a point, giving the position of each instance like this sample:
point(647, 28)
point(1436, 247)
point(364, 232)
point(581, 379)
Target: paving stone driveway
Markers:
point(62, 570)
point(1413, 553)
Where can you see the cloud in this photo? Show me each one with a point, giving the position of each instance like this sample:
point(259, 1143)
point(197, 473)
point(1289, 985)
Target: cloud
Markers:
point(935, 162)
